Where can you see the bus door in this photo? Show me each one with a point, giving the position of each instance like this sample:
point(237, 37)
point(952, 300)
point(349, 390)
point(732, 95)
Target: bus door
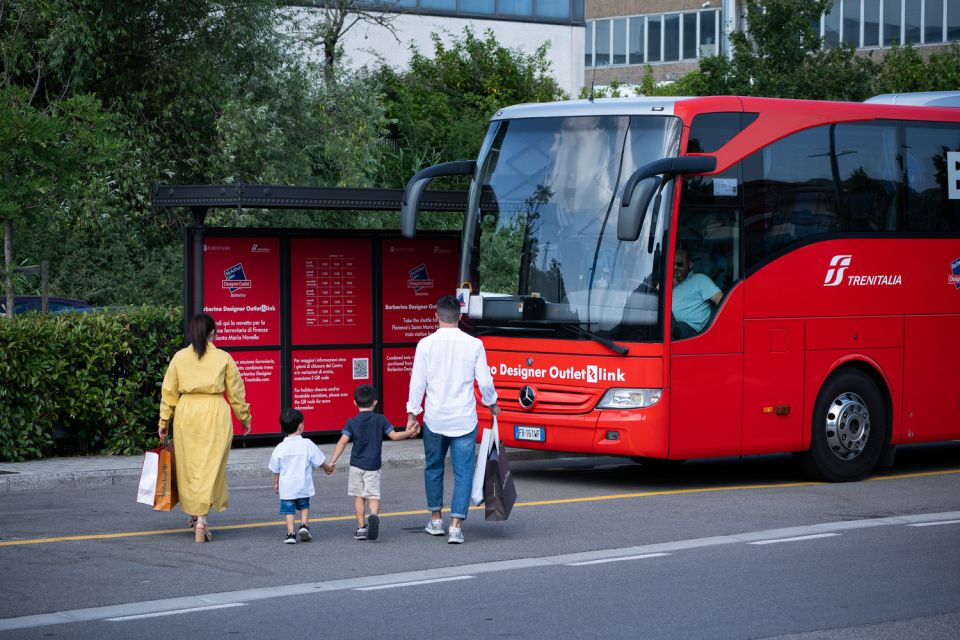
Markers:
point(706, 323)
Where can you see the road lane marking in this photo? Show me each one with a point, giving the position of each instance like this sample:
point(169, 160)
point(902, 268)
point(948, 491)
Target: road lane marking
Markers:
point(797, 538)
point(176, 612)
point(933, 524)
point(284, 591)
point(621, 559)
point(535, 503)
point(415, 583)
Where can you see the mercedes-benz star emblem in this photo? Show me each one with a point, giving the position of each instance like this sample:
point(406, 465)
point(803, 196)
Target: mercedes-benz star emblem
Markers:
point(527, 397)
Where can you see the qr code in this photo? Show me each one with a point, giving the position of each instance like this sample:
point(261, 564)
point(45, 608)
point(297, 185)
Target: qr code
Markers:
point(361, 368)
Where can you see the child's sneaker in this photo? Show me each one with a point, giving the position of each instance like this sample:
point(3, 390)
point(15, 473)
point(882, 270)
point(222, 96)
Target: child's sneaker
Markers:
point(290, 539)
point(373, 526)
point(361, 534)
point(304, 533)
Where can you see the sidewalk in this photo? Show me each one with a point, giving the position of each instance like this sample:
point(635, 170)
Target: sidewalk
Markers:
point(250, 461)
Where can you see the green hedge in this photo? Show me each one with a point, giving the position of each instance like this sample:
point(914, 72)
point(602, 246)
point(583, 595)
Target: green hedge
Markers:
point(83, 382)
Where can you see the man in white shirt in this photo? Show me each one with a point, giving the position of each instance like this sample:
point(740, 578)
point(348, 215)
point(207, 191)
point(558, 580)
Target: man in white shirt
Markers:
point(445, 366)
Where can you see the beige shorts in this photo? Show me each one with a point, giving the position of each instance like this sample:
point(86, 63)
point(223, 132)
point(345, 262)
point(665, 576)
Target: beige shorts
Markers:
point(365, 484)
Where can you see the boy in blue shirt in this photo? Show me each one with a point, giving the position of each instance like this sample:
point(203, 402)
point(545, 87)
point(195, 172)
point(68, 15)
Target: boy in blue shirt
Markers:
point(366, 430)
point(292, 464)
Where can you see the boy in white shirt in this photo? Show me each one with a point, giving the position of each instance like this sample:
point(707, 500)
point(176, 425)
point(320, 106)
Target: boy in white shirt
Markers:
point(292, 464)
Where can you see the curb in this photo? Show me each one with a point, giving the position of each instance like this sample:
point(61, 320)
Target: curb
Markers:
point(23, 482)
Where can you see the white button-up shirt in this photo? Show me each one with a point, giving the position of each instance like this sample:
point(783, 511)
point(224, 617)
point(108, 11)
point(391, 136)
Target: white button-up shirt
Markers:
point(294, 459)
point(445, 365)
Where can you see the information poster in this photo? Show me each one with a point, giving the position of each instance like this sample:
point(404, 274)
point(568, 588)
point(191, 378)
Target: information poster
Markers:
point(260, 371)
point(397, 364)
point(323, 385)
point(241, 290)
point(414, 274)
point(331, 292)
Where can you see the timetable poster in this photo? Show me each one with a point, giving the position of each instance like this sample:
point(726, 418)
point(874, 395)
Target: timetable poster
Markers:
point(397, 364)
point(241, 290)
point(323, 385)
point(415, 274)
point(330, 291)
point(260, 371)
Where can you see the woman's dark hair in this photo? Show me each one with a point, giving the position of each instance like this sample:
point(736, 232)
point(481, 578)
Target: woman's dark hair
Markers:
point(198, 332)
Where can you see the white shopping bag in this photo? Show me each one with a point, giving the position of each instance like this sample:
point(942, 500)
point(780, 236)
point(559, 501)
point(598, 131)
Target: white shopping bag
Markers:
point(148, 477)
point(486, 441)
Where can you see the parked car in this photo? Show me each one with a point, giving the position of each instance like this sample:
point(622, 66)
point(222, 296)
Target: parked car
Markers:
point(23, 304)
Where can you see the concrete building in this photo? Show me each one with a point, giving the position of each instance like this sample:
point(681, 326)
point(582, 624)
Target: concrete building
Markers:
point(623, 36)
point(517, 24)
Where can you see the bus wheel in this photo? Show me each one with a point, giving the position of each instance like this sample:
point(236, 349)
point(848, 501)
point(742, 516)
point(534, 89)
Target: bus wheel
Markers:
point(849, 428)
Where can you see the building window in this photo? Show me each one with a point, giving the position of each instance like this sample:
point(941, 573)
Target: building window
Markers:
point(871, 23)
point(690, 35)
point(708, 33)
point(953, 21)
point(602, 56)
point(516, 7)
point(588, 46)
point(620, 41)
point(933, 22)
point(671, 38)
point(851, 23)
point(892, 20)
point(653, 38)
point(486, 7)
point(553, 9)
point(911, 22)
point(831, 27)
point(636, 41)
point(441, 5)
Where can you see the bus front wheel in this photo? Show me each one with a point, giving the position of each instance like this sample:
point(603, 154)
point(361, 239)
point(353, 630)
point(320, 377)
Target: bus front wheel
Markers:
point(849, 428)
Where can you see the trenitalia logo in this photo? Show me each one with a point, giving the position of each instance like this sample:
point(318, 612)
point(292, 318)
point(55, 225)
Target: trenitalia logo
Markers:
point(838, 264)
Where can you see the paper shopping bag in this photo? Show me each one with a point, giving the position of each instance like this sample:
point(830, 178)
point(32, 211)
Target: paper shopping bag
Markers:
point(165, 496)
point(148, 476)
point(479, 472)
point(499, 492)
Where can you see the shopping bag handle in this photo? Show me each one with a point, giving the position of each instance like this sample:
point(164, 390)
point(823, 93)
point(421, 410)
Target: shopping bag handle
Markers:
point(496, 433)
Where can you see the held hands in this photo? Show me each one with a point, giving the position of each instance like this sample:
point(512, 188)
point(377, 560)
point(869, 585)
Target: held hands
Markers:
point(328, 468)
point(412, 422)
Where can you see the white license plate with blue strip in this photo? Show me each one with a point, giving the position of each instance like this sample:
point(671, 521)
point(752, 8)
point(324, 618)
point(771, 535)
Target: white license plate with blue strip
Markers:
point(533, 434)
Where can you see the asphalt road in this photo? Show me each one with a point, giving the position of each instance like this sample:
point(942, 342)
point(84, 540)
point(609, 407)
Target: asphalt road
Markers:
point(596, 547)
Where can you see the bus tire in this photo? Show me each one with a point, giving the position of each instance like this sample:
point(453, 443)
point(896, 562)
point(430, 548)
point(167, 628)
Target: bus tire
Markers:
point(849, 428)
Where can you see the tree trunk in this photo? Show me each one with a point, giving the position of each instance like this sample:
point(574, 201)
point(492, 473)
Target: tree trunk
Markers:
point(8, 262)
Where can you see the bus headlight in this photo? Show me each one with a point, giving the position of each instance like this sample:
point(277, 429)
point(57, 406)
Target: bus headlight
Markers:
point(629, 398)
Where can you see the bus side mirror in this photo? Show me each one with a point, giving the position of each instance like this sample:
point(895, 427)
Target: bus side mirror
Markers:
point(419, 182)
point(633, 208)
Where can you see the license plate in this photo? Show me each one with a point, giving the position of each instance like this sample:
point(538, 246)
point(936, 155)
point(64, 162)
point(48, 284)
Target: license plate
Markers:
point(536, 434)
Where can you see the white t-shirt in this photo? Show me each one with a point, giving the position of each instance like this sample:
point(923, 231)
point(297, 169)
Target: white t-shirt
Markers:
point(445, 365)
point(293, 459)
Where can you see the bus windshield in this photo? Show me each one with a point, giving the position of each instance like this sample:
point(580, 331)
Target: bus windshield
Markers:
point(545, 252)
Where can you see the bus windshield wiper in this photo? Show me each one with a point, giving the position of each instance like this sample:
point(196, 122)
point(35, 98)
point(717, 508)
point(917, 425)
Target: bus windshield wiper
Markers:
point(613, 346)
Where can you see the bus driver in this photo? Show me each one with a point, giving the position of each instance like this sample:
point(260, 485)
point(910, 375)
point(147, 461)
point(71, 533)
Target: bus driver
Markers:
point(693, 294)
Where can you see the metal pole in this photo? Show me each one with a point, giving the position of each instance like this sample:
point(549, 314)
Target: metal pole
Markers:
point(199, 214)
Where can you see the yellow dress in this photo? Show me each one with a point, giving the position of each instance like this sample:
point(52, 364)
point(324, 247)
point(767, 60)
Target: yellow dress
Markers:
point(193, 392)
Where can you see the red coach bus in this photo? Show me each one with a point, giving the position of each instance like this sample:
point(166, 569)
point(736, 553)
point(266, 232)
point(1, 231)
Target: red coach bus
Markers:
point(723, 276)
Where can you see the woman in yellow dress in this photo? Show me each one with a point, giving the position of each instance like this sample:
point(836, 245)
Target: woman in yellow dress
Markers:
point(193, 389)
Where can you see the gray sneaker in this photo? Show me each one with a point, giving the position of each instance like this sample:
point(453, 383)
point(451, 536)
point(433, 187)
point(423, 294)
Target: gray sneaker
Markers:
point(435, 528)
point(456, 536)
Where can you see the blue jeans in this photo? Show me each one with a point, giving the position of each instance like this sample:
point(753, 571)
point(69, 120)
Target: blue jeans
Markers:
point(463, 460)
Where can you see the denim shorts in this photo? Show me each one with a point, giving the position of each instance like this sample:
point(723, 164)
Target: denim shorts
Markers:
point(290, 507)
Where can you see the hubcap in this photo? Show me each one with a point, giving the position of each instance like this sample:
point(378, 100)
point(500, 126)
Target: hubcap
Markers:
point(847, 426)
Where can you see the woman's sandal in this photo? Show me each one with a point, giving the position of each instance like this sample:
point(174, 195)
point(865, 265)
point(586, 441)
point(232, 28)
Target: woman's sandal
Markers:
point(201, 533)
point(192, 522)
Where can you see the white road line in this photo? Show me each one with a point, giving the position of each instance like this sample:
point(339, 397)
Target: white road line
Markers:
point(933, 524)
point(413, 584)
point(796, 538)
point(282, 591)
point(603, 560)
point(176, 612)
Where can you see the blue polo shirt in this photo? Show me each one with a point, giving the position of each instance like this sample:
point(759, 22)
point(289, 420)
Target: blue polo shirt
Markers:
point(366, 431)
point(691, 300)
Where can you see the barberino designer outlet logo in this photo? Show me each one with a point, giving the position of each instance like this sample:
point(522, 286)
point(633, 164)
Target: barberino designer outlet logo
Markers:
point(590, 373)
point(840, 263)
point(954, 277)
point(235, 278)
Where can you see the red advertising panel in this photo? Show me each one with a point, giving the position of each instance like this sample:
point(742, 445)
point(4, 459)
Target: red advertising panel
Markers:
point(416, 273)
point(241, 290)
point(397, 364)
point(330, 293)
point(323, 384)
point(260, 371)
